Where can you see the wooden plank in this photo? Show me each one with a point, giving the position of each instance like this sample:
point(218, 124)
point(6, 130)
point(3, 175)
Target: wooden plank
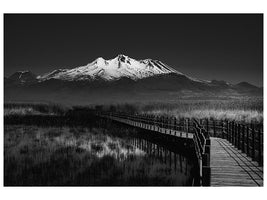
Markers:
point(231, 167)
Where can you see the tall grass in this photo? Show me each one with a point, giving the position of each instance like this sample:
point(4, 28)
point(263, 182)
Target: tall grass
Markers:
point(34, 109)
point(247, 116)
point(245, 109)
point(81, 156)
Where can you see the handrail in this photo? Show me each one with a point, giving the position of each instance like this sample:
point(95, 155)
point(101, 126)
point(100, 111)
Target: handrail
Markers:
point(201, 137)
point(247, 138)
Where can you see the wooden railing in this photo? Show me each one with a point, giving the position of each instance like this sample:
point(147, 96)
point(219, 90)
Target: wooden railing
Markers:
point(202, 148)
point(248, 138)
point(201, 137)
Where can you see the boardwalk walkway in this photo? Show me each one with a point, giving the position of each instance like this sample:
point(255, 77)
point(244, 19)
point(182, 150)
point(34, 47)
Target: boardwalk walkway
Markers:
point(156, 128)
point(221, 163)
point(231, 167)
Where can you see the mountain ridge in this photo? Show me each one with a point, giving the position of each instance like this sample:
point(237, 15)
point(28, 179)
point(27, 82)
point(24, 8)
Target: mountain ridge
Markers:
point(119, 79)
point(165, 69)
point(112, 69)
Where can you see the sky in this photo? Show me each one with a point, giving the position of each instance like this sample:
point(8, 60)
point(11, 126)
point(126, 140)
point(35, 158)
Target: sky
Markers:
point(222, 47)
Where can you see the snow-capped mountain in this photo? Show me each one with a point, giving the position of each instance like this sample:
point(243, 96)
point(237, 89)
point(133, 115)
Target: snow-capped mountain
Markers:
point(113, 69)
point(121, 79)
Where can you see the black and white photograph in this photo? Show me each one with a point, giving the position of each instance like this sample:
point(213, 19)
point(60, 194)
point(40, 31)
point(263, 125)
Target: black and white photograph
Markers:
point(132, 100)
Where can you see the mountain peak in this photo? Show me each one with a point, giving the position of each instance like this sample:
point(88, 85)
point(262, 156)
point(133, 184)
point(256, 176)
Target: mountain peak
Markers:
point(121, 66)
point(121, 56)
point(99, 60)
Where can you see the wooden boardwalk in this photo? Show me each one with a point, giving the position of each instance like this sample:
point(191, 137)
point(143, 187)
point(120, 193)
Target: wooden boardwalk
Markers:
point(230, 167)
point(156, 128)
point(221, 163)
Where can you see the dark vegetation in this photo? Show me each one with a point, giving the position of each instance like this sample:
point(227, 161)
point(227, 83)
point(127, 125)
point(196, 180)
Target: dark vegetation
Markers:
point(73, 156)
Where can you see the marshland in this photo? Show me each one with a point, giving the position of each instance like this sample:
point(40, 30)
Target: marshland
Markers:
point(53, 144)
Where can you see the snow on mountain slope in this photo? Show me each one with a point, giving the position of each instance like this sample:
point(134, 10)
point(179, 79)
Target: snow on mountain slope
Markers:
point(113, 69)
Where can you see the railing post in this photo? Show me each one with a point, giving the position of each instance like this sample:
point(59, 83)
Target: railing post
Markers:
point(222, 127)
point(253, 142)
point(239, 134)
point(206, 171)
point(166, 124)
point(158, 122)
point(207, 126)
point(243, 138)
point(232, 133)
point(187, 127)
point(214, 128)
point(170, 125)
point(162, 121)
point(227, 130)
point(180, 124)
point(175, 124)
point(259, 148)
point(248, 148)
point(185, 124)
point(235, 133)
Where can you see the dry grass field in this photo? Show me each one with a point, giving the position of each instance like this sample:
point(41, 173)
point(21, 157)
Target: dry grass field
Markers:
point(242, 110)
point(249, 110)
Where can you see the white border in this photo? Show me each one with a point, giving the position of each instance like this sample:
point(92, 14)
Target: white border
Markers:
point(136, 6)
point(126, 6)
